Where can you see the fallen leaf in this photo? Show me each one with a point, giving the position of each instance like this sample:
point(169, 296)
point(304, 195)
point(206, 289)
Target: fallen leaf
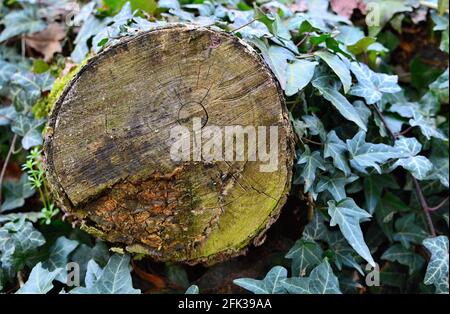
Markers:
point(47, 42)
point(345, 7)
point(299, 6)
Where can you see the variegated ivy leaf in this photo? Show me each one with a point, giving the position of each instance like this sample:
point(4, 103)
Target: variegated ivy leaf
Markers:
point(440, 160)
point(310, 163)
point(398, 253)
point(427, 126)
point(297, 285)
point(371, 85)
point(316, 229)
point(271, 284)
point(299, 74)
point(335, 185)
point(321, 281)
point(347, 215)
point(15, 193)
point(343, 254)
point(330, 91)
point(115, 278)
point(305, 256)
point(338, 66)
point(19, 240)
point(277, 58)
point(336, 149)
point(40, 280)
point(421, 114)
point(365, 155)
point(18, 22)
point(437, 270)
point(59, 256)
point(407, 231)
point(419, 166)
point(7, 115)
point(28, 128)
point(314, 126)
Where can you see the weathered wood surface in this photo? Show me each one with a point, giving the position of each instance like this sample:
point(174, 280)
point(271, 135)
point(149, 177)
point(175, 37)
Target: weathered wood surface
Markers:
point(108, 143)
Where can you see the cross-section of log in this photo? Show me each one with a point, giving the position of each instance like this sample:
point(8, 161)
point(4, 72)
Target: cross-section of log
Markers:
point(143, 145)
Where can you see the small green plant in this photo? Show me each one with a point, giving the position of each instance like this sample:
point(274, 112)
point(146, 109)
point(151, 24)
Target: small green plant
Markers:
point(36, 178)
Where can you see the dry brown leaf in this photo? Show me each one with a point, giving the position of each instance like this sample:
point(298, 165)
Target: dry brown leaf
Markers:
point(47, 42)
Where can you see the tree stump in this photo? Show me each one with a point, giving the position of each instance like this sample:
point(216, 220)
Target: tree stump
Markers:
point(109, 142)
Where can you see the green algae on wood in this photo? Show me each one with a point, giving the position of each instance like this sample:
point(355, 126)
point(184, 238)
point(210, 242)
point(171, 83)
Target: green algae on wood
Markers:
point(108, 153)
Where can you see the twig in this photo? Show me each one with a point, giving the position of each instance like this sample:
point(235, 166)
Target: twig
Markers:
point(425, 207)
point(311, 141)
point(423, 202)
point(242, 26)
point(8, 156)
point(432, 209)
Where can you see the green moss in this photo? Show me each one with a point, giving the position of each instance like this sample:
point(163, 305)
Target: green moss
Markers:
point(42, 108)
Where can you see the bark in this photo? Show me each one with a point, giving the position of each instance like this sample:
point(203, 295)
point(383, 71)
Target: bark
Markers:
point(108, 145)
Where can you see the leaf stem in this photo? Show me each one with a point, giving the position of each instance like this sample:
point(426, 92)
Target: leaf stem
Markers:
point(8, 156)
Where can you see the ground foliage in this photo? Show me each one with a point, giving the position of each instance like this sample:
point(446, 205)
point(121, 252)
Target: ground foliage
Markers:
point(366, 84)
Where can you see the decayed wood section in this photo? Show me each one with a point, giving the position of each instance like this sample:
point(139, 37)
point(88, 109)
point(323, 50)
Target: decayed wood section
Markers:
point(108, 143)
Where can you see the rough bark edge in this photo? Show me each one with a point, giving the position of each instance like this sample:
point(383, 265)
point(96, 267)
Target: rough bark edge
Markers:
point(59, 194)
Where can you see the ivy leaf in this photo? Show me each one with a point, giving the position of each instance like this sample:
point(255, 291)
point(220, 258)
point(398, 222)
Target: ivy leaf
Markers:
point(373, 187)
point(437, 270)
point(277, 58)
point(338, 66)
point(427, 126)
point(297, 285)
point(371, 85)
point(419, 166)
point(40, 280)
point(84, 253)
point(271, 284)
point(28, 129)
point(382, 12)
point(398, 253)
point(311, 162)
point(316, 229)
point(320, 15)
point(330, 92)
point(343, 253)
point(59, 256)
point(315, 126)
point(115, 278)
point(440, 87)
point(347, 215)
point(408, 232)
point(19, 241)
point(440, 160)
point(7, 114)
point(336, 149)
point(323, 281)
point(192, 290)
point(18, 22)
point(299, 74)
point(305, 255)
point(335, 185)
point(16, 193)
point(364, 155)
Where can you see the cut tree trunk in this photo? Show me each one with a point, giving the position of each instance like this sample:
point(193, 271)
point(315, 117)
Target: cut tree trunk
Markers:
point(108, 145)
